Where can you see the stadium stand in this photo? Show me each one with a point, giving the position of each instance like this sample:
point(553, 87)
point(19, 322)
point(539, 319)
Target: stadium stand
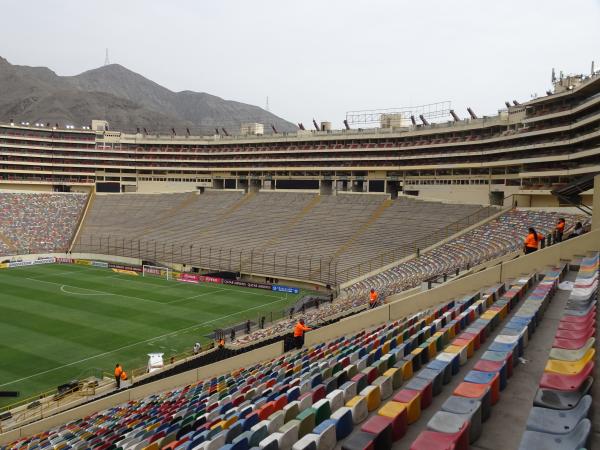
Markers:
point(496, 238)
point(358, 391)
point(285, 400)
point(37, 223)
point(346, 228)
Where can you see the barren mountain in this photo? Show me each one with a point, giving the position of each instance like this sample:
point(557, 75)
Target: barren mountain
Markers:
point(124, 98)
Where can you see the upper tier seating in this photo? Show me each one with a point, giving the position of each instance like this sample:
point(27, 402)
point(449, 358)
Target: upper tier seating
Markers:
point(36, 223)
point(495, 238)
point(347, 228)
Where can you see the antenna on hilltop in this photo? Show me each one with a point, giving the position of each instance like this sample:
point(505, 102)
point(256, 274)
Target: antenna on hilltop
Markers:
point(106, 60)
point(267, 105)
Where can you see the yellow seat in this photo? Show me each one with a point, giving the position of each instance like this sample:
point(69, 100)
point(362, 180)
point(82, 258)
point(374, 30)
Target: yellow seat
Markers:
point(228, 422)
point(569, 367)
point(218, 424)
point(391, 409)
point(407, 370)
point(399, 339)
point(153, 446)
point(153, 426)
point(432, 347)
point(373, 395)
point(489, 314)
point(413, 409)
point(385, 348)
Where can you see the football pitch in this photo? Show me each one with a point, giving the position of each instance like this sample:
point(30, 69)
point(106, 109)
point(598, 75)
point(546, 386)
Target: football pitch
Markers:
point(62, 322)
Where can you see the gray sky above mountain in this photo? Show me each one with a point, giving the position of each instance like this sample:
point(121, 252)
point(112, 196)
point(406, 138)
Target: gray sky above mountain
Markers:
point(317, 58)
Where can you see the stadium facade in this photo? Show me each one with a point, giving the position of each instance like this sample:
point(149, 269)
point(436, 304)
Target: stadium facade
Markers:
point(526, 150)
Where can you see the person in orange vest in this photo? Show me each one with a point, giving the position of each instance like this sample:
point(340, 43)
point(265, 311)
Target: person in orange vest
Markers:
point(373, 298)
point(532, 241)
point(560, 229)
point(123, 375)
point(299, 330)
point(118, 372)
point(221, 342)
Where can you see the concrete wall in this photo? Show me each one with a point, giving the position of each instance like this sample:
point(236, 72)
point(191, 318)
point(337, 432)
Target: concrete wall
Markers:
point(162, 187)
point(91, 256)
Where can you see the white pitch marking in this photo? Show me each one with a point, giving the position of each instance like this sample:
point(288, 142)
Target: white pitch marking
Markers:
point(191, 327)
point(62, 288)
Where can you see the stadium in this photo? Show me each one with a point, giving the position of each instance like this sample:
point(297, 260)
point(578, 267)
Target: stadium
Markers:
point(189, 261)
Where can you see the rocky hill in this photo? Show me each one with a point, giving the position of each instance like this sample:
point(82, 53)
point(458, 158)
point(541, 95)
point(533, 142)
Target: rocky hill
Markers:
point(124, 98)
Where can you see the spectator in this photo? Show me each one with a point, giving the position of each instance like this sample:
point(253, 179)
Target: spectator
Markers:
point(532, 241)
point(118, 372)
point(299, 330)
point(196, 348)
point(578, 231)
point(559, 230)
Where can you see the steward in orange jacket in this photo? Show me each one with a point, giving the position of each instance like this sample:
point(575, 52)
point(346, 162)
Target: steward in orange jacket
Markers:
point(118, 372)
point(532, 241)
point(559, 230)
point(373, 298)
point(299, 330)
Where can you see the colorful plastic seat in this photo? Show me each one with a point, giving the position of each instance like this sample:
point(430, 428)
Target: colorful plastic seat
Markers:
point(554, 399)
point(576, 439)
point(432, 440)
point(558, 421)
point(566, 382)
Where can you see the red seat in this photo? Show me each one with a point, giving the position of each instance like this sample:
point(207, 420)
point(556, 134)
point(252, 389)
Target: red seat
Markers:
point(281, 402)
point(591, 314)
point(381, 427)
point(485, 365)
point(567, 334)
point(318, 393)
point(371, 373)
point(576, 326)
point(266, 410)
point(573, 343)
point(474, 336)
point(566, 382)
point(432, 440)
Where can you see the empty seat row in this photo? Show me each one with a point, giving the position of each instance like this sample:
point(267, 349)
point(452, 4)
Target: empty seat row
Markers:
point(558, 419)
point(459, 421)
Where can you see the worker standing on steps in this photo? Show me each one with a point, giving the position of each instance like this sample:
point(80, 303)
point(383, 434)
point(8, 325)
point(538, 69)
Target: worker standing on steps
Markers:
point(118, 372)
point(373, 298)
point(299, 330)
point(532, 241)
point(559, 230)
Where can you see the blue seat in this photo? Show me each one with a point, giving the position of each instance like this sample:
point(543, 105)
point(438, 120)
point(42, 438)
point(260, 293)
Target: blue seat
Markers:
point(343, 422)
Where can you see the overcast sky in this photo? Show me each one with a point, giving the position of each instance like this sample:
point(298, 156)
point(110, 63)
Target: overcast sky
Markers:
point(317, 58)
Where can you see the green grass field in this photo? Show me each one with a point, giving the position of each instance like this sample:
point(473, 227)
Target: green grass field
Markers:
point(61, 322)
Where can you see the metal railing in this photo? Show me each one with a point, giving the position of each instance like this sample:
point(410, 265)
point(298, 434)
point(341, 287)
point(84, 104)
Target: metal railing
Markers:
point(248, 261)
